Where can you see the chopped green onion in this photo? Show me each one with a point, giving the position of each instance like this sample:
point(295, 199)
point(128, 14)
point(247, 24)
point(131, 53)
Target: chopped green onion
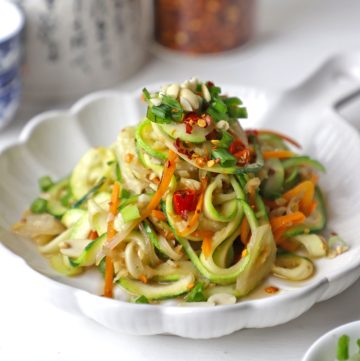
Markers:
point(39, 206)
point(118, 173)
point(214, 91)
point(45, 183)
point(225, 141)
point(146, 94)
point(342, 352)
point(102, 266)
point(219, 105)
point(171, 102)
point(159, 114)
point(196, 294)
point(226, 158)
point(198, 88)
point(130, 213)
point(235, 112)
point(141, 299)
point(125, 194)
point(232, 101)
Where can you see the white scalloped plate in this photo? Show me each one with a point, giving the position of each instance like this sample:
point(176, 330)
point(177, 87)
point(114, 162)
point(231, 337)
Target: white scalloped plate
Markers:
point(54, 141)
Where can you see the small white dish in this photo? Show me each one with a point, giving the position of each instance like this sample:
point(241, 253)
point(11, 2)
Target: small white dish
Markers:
point(324, 348)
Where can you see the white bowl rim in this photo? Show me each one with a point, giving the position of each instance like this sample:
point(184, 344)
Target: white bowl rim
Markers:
point(321, 339)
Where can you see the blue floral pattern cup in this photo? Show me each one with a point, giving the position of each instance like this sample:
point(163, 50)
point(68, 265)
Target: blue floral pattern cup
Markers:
point(11, 25)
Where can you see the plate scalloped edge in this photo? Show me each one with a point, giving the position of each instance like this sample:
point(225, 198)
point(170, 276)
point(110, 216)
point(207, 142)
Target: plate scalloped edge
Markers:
point(193, 322)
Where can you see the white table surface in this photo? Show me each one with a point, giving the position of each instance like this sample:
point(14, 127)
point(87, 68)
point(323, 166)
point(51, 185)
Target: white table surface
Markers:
point(295, 36)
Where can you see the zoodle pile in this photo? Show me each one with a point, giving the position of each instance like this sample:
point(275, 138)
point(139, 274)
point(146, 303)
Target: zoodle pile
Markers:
point(185, 205)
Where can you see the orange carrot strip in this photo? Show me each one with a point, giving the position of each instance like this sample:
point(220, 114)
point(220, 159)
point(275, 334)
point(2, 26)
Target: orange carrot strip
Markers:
point(195, 218)
point(280, 135)
point(280, 154)
point(158, 215)
point(284, 221)
point(109, 268)
point(206, 246)
point(143, 279)
point(244, 231)
point(306, 191)
point(168, 172)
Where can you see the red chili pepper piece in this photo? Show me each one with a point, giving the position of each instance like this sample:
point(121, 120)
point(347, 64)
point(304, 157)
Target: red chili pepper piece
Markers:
point(190, 120)
point(243, 156)
point(184, 201)
point(236, 146)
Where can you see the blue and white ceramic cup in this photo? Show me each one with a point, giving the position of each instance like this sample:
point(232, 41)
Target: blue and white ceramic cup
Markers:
point(11, 24)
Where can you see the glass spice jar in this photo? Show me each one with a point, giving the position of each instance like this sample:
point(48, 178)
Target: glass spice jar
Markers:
point(203, 26)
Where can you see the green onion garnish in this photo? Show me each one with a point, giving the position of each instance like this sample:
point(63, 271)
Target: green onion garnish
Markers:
point(146, 94)
point(45, 183)
point(141, 299)
point(196, 294)
point(125, 194)
point(225, 141)
point(130, 213)
point(342, 352)
point(39, 206)
point(226, 158)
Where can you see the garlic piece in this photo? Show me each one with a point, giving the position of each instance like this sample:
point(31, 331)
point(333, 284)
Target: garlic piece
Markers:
point(173, 90)
point(185, 104)
point(190, 97)
point(222, 299)
point(155, 101)
point(205, 92)
point(222, 125)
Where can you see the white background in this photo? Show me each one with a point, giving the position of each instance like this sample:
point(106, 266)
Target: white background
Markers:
point(294, 37)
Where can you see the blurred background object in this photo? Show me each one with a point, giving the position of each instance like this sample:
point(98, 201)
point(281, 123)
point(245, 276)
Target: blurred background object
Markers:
point(74, 47)
point(203, 26)
point(11, 24)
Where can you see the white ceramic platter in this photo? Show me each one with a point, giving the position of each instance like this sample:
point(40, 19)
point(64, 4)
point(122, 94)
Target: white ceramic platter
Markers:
point(54, 141)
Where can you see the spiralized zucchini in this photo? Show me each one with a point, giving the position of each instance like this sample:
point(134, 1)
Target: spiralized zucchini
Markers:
point(185, 205)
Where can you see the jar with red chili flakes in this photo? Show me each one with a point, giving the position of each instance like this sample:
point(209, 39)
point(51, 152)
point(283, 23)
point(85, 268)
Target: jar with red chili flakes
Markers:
point(203, 26)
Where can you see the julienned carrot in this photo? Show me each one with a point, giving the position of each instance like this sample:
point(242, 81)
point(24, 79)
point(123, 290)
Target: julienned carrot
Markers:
point(280, 154)
point(109, 269)
point(284, 221)
point(158, 215)
point(305, 190)
point(168, 172)
point(280, 135)
point(244, 231)
point(195, 218)
point(206, 246)
point(281, 224)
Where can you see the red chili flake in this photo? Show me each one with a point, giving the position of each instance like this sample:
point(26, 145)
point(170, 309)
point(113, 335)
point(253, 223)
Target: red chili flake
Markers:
point(243, 156)
point(272, 289)
point(190, 120)
point(209, 84)
point(236, 146)
point(213, 135)
point(182, 149)
point(253, 132)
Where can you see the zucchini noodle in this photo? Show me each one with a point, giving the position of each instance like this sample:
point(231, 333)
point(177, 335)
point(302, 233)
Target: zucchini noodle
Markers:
point(206, 210)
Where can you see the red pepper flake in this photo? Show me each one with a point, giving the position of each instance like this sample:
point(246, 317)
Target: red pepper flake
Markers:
point(180, 147)
point(236, 146)
point(253, 132)
point(190, 120)
point(272, 289)
point(184, 201)
point(243, 156)
point(209, 84)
